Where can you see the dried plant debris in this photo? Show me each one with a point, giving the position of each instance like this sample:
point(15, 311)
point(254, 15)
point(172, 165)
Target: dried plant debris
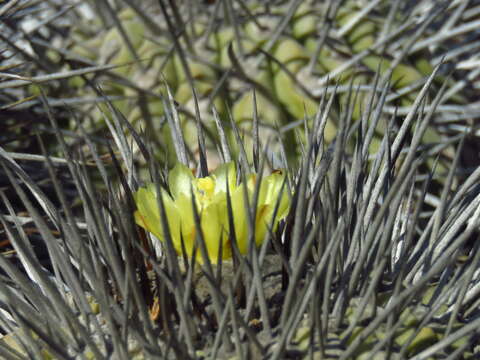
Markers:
point(345, 133)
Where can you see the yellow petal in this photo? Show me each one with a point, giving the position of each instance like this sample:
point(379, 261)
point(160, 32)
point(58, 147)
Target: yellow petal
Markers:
point(180, 180)
point(261, 223)
point(173, 219)
point(273, 185)
point(240, 219)
point(271, 193)
point(278, 193)
point(148, 214)
point(214, 232)
point(223, 175)
point(187, 223)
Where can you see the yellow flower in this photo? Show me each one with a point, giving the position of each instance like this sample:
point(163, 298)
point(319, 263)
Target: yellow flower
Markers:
point(211, 201)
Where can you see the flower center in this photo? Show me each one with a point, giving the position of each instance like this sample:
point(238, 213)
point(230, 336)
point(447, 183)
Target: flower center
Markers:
point(205, 189)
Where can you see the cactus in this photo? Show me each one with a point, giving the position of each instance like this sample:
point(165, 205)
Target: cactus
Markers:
point(292, 88)
point(363, 245)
